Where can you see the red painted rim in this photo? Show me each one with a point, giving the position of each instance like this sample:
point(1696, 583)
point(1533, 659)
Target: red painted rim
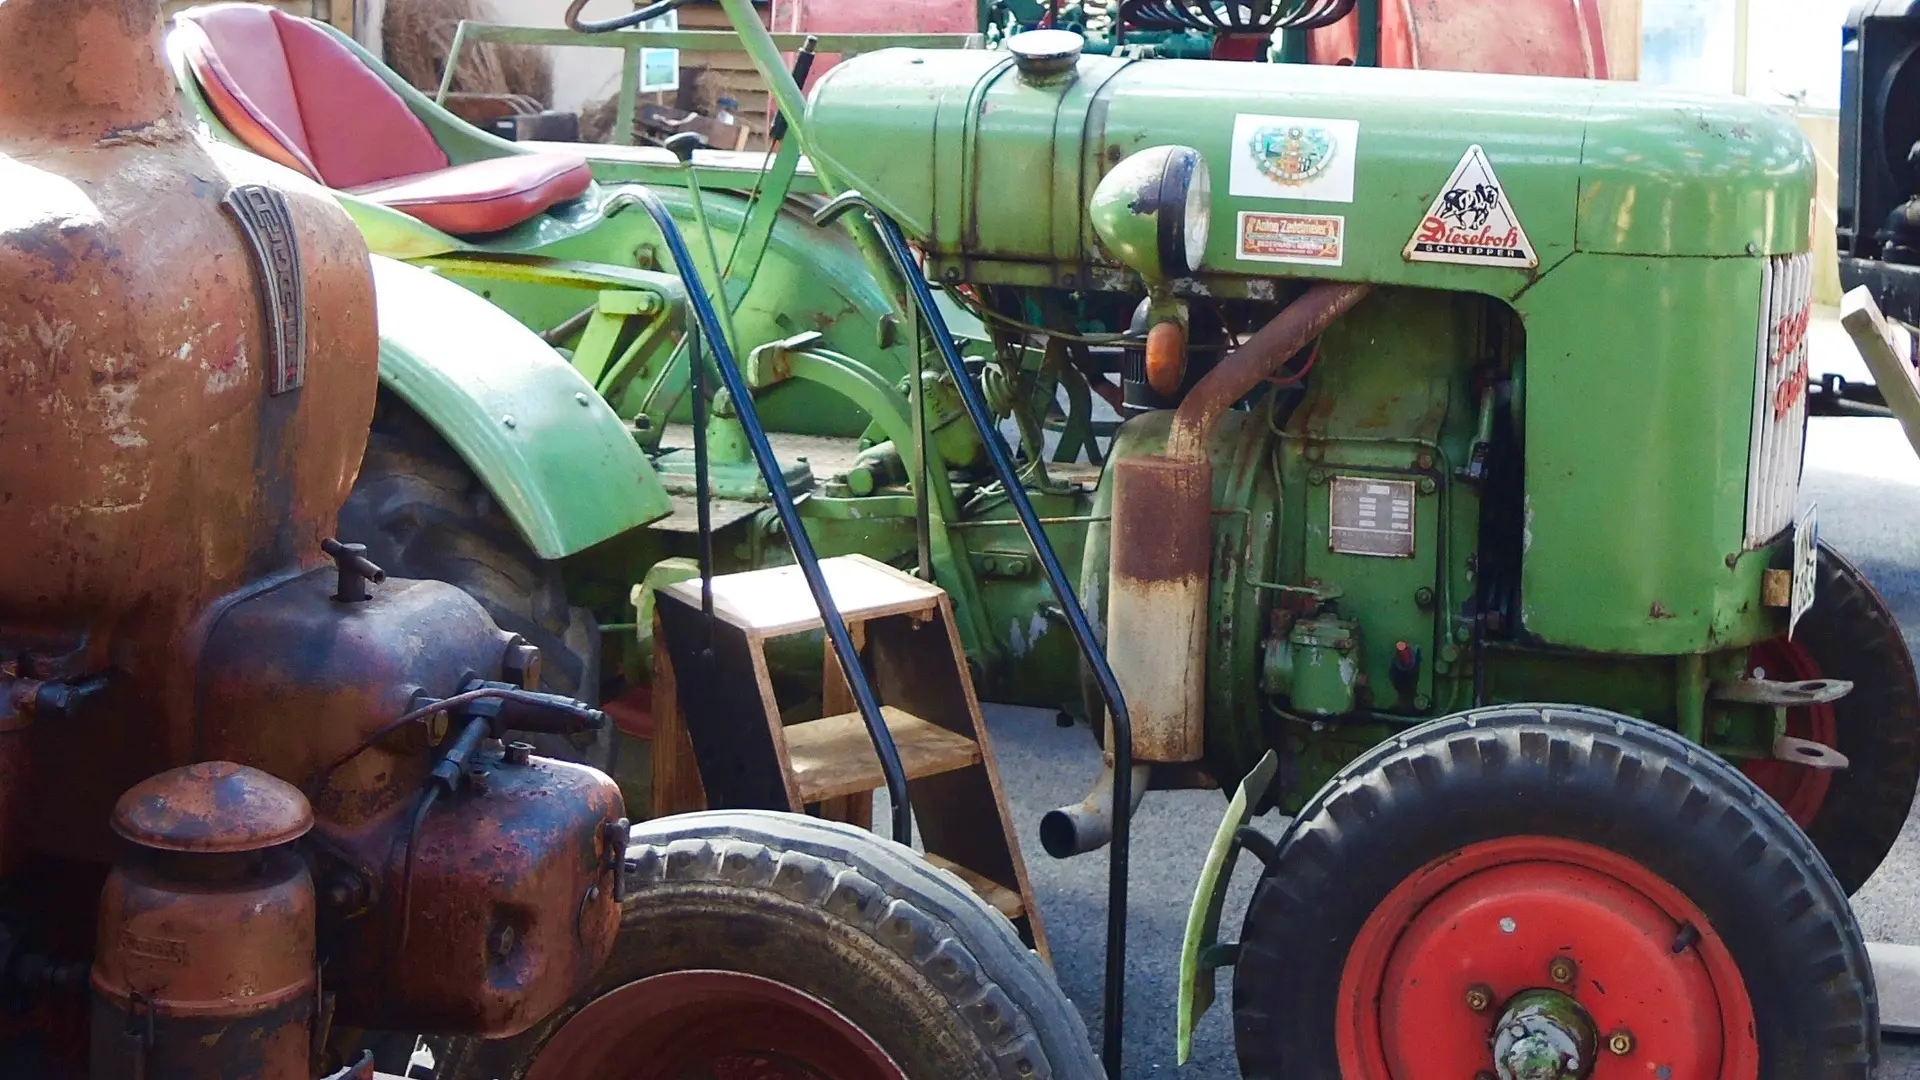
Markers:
point(1496, 915)
point(1799, 790)
point(711, 1025)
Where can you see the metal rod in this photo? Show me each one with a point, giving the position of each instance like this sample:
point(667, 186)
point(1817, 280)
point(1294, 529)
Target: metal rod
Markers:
point(836, 628)
point(1113, 1009)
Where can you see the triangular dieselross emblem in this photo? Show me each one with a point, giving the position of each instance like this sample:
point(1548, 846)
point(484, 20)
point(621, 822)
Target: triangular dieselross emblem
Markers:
point(1472, 223)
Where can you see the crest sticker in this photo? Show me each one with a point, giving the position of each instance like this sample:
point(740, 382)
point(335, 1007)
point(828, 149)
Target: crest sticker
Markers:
point(1472, 223)
point(1314, 239)
point(1290, 157)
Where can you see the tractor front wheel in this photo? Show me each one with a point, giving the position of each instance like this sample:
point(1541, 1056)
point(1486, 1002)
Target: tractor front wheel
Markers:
point(783, 947)
point(1552, 892)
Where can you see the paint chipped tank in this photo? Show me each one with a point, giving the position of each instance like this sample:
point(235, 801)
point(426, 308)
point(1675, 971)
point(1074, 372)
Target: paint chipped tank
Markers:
point(140, 463)
point(993, 168)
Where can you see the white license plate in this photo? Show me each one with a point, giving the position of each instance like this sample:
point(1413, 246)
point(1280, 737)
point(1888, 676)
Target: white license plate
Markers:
point(1806, 566)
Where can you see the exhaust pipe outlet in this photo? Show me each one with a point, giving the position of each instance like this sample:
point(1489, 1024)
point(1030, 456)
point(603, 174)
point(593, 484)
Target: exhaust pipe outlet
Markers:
point(1088, 824)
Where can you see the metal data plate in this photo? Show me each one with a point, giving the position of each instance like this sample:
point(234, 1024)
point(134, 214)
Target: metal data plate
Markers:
point(1369, 516)
point(1806, 566)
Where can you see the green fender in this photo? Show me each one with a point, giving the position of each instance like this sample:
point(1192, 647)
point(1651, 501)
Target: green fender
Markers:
point(551, 452)
point(1201, 953)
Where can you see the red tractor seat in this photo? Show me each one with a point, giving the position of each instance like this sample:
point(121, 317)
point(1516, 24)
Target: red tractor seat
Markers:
point(292, 92)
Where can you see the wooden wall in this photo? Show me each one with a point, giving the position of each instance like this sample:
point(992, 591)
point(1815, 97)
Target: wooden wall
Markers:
point(1620, 20)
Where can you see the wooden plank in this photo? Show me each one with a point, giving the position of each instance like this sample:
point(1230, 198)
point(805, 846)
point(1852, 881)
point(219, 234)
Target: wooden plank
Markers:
point(834, 756)
point(676, 772)
point(1002, 899)
point(836, 697)
point(773, 602)
point(1620, 24)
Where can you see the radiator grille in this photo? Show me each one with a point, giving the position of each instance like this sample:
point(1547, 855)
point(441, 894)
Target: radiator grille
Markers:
point(1779, 398)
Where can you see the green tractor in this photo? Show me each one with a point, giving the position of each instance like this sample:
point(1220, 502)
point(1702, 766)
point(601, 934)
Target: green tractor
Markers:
point(1453, 510)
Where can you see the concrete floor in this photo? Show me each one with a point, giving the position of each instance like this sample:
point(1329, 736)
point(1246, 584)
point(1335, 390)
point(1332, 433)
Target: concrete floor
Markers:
point(1866, 481)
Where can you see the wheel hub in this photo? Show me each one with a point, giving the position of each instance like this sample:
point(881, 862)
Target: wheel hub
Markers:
point(1574, 940)
point(1544, 1035)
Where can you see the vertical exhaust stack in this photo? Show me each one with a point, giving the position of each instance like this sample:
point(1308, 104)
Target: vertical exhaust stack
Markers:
point(1161, 564)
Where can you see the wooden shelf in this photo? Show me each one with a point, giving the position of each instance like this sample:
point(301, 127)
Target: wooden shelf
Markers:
point(834, 756)
point(1002, 899)
point(771, 603)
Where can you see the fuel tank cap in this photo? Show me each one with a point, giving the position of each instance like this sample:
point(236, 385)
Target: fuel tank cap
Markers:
point(1043, 55)
point(213, 807)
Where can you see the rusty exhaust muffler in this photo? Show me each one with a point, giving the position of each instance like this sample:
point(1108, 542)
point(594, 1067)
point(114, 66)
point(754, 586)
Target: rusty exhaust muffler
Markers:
point(1161, 561)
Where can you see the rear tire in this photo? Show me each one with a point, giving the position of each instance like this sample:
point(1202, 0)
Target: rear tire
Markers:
point(1613, 800)
point(1854, 815)
point(424, 514)
point(905, 953)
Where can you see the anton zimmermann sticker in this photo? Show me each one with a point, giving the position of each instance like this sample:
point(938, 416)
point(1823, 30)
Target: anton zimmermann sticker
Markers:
point(1293, 157)
point(1472, 223)
point(1315, 239)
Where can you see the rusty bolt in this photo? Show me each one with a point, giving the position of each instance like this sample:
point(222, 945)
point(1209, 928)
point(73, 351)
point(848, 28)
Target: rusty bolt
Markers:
point(1479, 998)
point(521, 665)
point(519, 753)
point(1423, 597)
point(1561, 969)
point(1620, 1042)
point(1424, 461)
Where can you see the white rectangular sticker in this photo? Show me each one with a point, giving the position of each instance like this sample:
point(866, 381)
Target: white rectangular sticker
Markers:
point(1292, 157)
point(1314, 239)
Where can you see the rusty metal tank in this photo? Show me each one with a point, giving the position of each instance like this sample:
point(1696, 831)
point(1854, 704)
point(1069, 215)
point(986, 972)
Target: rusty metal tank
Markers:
point(187, 371)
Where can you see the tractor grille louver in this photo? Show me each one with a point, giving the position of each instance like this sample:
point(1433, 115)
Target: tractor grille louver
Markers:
point(1779, 398)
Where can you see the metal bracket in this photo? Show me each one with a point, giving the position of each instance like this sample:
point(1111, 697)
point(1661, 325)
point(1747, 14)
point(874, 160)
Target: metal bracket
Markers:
point(1780, 694)
point(1810, 754)
point(771, 363)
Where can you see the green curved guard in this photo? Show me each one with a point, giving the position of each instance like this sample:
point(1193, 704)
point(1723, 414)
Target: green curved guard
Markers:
point(1200, 952)
point(552, 453)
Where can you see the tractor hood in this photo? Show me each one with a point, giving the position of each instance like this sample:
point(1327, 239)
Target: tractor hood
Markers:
point(1338, 171)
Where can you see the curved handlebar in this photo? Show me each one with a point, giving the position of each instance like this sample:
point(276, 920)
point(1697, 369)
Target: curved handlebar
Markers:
point(618, 22)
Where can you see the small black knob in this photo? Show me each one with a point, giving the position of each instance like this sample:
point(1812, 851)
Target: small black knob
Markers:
point(354, 570)
point(684, 144)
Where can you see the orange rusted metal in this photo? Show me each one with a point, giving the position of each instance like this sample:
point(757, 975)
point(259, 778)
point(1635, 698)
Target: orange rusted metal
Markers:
point(147, 468)
point(206, 964)
point(1163, 538)
point(214, 807)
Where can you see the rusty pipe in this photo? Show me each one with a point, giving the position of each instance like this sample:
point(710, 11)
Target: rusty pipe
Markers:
point(1088, 824)
point(1160, 567)
point(1242, 369)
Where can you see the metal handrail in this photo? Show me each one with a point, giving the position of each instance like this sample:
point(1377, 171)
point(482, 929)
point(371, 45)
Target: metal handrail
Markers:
point(708, 322)
point(1121, 744)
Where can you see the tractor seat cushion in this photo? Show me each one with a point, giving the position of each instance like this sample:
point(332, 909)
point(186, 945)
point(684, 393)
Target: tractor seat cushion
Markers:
point(291, 91)
point(484, 196)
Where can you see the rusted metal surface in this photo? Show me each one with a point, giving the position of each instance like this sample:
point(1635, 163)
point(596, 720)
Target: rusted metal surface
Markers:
point(290, 680)
point(214, 807)
point(146, 470)
point(205, 967)
point(1157, 601)
point(1242, 369)
point(512, 907)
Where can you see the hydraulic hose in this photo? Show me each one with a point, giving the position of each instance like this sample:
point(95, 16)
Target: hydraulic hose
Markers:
point(618, 22)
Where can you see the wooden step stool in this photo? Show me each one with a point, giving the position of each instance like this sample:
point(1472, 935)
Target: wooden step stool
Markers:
point(720, 740)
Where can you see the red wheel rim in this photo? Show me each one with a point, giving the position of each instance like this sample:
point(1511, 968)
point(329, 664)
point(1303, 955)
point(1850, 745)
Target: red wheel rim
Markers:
point(1496, 916)
point(711, 1025)
point(1799, 790)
